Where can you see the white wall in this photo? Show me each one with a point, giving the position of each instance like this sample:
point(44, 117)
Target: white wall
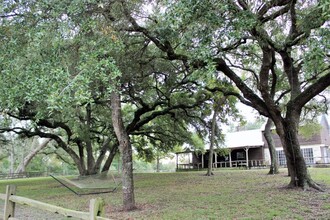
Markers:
point(317, 154)
point(266, 156)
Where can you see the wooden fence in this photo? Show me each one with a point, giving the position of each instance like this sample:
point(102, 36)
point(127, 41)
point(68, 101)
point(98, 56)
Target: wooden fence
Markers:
point(96, 207)
point(22, 175)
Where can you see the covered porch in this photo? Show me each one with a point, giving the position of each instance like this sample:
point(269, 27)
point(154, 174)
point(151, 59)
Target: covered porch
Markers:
point(188, 159)
point(247, 149)
point(247, 157)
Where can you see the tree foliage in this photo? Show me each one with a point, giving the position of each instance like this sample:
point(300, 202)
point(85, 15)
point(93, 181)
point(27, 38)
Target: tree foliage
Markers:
point(67, 63)
point(70, 66)
point(62, 61)
point(277, 60)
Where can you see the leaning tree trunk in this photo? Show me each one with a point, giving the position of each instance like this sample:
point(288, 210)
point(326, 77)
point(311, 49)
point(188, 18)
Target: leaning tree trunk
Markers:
point(12, 159)
point(110, 158)
point(27, 159)
point(271, 146)
point(125, 148)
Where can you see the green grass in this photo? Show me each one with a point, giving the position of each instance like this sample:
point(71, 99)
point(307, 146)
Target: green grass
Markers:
point(229, 194)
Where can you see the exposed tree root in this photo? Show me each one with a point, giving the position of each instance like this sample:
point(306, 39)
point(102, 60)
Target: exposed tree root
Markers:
point(273, 172)
point(209, 174)
point(314, 185)
point(307, 184)
point(129, 209)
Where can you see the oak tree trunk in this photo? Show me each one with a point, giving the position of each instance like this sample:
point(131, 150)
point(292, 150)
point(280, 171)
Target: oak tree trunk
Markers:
point(89, 147)
point(157, 164)
point(125, 148)
point(211, 152)
point(287, 130)
point(12, 159)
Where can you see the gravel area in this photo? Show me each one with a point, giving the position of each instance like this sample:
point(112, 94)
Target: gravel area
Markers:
point(27, 213)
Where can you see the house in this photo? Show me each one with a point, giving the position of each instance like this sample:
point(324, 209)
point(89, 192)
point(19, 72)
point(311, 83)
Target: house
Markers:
point(315, 148)
point(249, 149)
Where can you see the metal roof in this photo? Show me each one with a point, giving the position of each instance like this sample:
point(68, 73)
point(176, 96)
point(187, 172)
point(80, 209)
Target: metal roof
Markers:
point(250, 138)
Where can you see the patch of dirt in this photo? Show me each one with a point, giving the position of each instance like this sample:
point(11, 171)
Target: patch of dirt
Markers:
point(28, 213)
point(117, 213)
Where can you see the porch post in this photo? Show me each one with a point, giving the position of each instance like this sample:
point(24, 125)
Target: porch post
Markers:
point(230, 165)
point(247, 156)
point(189, 160)
point(177, 161)
point(215, 160)
point(202, 160)
point(263, 155)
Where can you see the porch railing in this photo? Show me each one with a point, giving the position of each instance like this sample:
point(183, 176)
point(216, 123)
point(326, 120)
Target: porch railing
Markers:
point(240, 163)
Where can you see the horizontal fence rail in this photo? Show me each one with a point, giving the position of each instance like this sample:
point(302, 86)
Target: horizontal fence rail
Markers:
point(96, 207)
point(22, 175)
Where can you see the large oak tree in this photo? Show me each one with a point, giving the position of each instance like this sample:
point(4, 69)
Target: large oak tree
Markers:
point(280, 46)
point(66, 70)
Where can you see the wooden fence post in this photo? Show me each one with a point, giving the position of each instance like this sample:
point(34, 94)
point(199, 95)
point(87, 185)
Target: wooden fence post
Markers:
point(9, 209)
point(96, 208)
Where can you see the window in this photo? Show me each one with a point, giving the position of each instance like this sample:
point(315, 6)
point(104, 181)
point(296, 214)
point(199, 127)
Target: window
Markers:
point(327, 156)
point(306, 152)
point(308, 155)
point(240, 155)
point(281, 158)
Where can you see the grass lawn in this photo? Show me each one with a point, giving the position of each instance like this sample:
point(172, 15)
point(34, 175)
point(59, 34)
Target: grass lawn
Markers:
point(229, 194)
